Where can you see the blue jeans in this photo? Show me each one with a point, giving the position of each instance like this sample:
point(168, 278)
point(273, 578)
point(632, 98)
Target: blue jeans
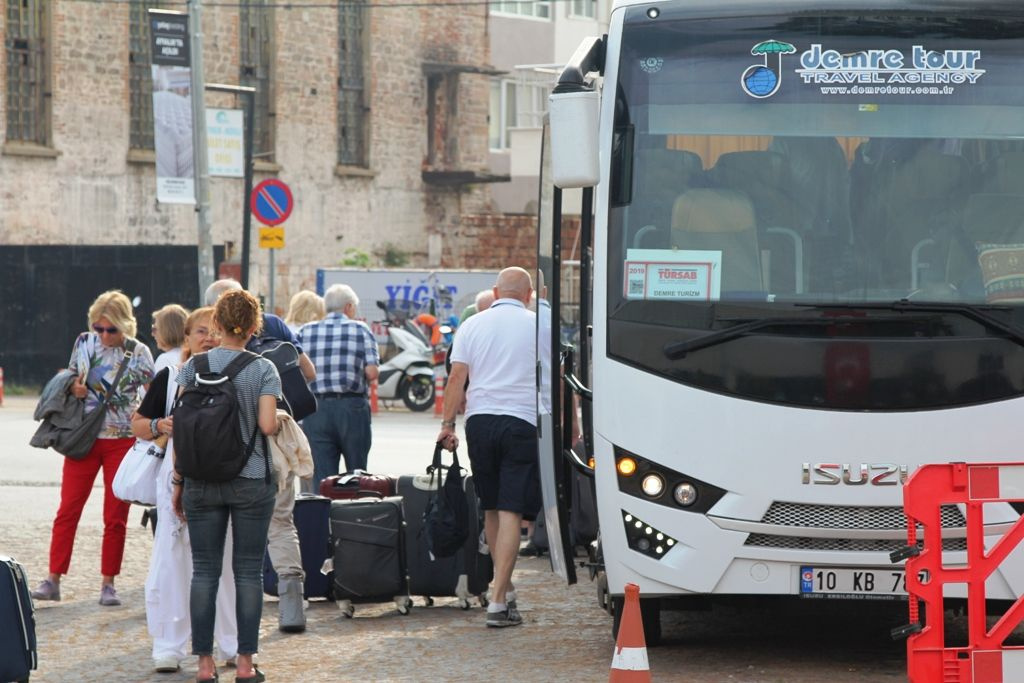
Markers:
point(249, 503)
point(340, 426)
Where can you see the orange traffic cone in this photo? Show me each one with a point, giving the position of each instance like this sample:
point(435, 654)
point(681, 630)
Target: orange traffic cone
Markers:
point(439, 396)
point(373, 397)
point(629, 663)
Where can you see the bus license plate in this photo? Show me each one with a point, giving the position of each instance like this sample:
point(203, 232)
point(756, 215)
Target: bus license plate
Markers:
point(864, 584)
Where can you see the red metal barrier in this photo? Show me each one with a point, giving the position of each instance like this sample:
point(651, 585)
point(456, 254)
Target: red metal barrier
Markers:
point(984, 659)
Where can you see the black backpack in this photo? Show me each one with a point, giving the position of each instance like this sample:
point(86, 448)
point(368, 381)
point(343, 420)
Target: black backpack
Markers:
point(446, 519)
point(298, 400)
point(208, 440)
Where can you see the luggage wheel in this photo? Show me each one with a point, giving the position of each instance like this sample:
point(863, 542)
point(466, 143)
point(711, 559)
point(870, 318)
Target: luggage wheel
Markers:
point(404, 605)
point(428, 601)
point(463, 603)
point(483, 600)
point(347, 609)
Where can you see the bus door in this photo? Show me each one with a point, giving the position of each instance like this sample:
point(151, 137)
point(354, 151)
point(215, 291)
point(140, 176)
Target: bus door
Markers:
point(552, 330)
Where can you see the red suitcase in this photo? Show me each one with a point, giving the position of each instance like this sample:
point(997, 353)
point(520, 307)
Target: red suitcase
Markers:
point(357, 484)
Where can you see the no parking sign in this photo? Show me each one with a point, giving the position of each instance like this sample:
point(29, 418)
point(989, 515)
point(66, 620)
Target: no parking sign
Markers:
point(271, 202)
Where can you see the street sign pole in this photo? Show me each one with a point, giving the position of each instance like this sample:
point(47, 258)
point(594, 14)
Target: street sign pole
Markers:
point(272, 278)
point(272, 202)
point(250, 96)
point(200, 161)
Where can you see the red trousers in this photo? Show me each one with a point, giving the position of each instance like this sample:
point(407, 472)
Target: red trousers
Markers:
point(75, 487)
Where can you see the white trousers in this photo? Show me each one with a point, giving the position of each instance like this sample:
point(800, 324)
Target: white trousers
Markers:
point(170, 577)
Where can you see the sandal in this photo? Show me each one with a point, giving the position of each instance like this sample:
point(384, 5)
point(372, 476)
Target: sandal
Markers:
point(208, 680)
point(257, 677)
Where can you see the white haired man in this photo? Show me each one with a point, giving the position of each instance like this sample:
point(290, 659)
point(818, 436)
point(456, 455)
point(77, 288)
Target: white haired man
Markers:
point(345, 352)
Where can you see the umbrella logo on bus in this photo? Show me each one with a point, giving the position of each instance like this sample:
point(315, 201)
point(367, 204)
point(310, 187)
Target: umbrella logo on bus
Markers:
point(762, 80)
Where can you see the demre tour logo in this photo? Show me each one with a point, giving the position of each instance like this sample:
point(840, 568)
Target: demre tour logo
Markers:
point(867, 72)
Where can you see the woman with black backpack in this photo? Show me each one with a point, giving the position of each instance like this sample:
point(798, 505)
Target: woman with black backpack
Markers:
point(212, 485)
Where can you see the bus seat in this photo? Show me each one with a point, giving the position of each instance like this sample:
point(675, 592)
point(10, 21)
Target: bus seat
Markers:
point(661, 175)
point(765, 177)
point(989, 220)
point(721, 220)
point(919, 204)
point(1005, 174)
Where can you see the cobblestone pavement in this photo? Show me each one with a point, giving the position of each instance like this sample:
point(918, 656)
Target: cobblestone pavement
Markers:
point(565, 637)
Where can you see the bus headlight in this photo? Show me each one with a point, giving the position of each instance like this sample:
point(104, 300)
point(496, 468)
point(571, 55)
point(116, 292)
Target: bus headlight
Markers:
point(652, 485)
point(626, 466)
point(685, 494)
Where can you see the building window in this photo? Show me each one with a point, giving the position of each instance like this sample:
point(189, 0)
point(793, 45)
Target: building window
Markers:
point(515, 104)
point(538, 9)
point(352, 129)
point(583, 9)
point(256, 66)
point(28, 72)
point(140, 75)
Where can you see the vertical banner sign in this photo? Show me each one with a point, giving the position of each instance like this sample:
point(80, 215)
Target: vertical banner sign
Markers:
point(224, 144)
point(172, 107)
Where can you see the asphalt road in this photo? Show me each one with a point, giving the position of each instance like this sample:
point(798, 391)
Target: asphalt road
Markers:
point(565, 637)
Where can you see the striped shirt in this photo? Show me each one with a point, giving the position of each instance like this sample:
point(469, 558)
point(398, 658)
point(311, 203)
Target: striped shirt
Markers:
point(340, 349)
point(256, 379)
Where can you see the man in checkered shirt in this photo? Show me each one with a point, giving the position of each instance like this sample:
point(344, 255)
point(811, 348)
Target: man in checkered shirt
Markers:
point(344, 352)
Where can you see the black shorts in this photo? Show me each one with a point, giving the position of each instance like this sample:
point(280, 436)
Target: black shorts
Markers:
point(503, 455)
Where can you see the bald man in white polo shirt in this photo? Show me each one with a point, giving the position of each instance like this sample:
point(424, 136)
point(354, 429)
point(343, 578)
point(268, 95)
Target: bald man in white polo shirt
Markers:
point(496, 351)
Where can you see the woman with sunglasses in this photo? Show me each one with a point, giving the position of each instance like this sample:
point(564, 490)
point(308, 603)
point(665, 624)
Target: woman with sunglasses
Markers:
point(96, 357)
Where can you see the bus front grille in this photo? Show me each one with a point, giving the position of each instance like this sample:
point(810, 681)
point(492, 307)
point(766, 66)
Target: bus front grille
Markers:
point(852, 545)
point(850, 516)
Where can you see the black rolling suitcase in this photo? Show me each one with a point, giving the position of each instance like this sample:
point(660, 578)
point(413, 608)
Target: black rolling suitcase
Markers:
point(368, 537)
point(17, 623)
point(464, 575)
point(313, 523)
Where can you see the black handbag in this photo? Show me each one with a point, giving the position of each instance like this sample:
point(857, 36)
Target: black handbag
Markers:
point(76, 442)
point(446, 519)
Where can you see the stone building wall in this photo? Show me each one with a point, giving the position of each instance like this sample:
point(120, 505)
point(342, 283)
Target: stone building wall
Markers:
point(88, 192)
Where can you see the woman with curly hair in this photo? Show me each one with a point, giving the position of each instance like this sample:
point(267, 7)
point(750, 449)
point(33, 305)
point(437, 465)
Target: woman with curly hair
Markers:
point(247, 500)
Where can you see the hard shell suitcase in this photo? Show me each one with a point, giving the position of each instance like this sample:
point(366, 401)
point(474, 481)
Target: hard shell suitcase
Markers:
point(17, 623)
point(312, 517)
point(357, 484)
point(368, 539)
point(464, 575)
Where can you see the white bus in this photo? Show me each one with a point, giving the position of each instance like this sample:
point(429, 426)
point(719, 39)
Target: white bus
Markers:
point(807, 280)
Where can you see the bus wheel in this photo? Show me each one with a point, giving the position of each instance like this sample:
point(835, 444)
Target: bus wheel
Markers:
point(650, 615)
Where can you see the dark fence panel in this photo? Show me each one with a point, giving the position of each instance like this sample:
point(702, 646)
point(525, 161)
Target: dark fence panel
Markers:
point(45, 293)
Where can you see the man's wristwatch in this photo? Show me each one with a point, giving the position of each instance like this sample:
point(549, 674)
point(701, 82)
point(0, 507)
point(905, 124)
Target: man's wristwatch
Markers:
point(448, 423)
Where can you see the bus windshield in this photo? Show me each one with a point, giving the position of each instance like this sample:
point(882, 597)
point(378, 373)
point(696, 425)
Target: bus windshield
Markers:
point(767, 165)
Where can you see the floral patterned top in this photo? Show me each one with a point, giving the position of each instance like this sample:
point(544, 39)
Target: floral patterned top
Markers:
point(100, 363)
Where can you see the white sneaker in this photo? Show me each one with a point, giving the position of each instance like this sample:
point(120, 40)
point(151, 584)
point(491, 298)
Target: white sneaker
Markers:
point(166, 665)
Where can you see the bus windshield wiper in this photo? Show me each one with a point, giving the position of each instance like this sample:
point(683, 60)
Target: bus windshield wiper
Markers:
point(677, 350)
point(976, 313)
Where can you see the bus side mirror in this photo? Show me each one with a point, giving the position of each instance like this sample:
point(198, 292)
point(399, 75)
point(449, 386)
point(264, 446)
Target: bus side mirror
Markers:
point(574, 118)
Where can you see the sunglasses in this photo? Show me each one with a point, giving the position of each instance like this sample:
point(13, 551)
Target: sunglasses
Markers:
point(99, 329)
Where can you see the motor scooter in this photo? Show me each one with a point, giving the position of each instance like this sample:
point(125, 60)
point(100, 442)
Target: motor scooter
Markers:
point(406, 367)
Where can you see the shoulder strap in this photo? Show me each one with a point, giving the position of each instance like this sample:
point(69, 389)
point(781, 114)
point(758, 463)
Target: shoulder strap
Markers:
point(238, 363)
point(202, 364)
point(129, 349)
